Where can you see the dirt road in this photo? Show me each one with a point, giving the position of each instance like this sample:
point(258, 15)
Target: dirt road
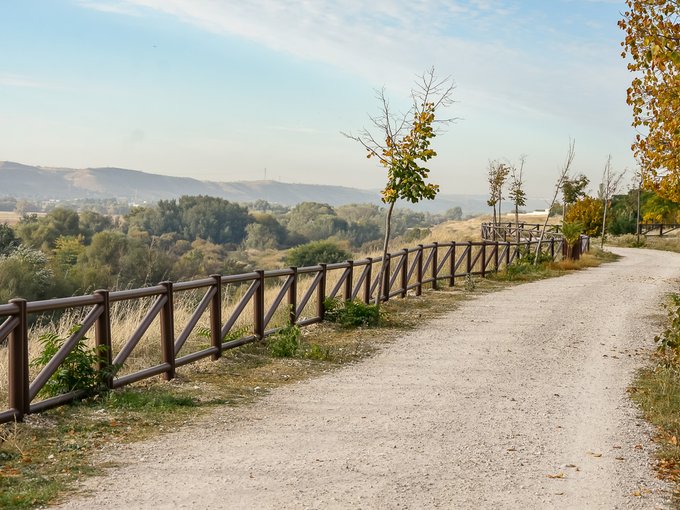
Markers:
point(515, 400)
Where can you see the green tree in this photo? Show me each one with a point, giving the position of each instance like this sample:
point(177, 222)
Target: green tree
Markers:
point(516, 192)
point(260, 237)
point(652, 45)
point(213, 219)
point(25, 272)
point(92, 222)
point(454, 213)
point(42, 232)
point(402, 144)
point(573, 189)
point(8, 239)
point(314, 221)
point(497, 175)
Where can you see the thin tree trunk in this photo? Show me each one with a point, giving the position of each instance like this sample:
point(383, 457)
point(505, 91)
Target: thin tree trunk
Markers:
point(517, 222)
point(558, 186)
point(381, 276)
point(604, 223)
point(637, 220)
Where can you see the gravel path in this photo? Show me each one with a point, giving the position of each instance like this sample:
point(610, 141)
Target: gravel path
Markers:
point(515, 400)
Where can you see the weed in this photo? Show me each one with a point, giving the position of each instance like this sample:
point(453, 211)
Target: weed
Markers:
point(351, 314)
point(285, 343)
point(669, 339)
point(135, 400)
point(317, 352)
point(232, 334)
point(78, 370)
point(469, 283)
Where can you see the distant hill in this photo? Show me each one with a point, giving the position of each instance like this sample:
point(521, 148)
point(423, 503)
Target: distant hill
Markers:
point(45, 183)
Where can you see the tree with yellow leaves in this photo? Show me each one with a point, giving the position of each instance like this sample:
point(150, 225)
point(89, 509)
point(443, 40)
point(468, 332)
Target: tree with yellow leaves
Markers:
point(652, 42)
point(402, 143)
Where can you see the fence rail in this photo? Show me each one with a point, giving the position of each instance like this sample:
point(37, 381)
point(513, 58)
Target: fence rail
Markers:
point(408, 270)
point(526, 231)
point(659, 228)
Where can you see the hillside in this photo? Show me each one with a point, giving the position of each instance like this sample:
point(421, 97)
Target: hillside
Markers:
point(46, 183)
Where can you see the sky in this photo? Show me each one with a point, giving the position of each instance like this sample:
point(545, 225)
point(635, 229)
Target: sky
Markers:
point(251, 89)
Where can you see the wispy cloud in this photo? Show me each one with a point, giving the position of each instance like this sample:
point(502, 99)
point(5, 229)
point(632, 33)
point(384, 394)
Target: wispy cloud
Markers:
point(111, 6)
point(497, 48)
point(19, 81)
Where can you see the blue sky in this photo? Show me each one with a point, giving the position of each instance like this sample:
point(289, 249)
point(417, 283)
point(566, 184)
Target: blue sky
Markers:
point(222, 90)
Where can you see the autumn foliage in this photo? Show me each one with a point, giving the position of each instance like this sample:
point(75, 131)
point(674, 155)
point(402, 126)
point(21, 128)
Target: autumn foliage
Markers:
point(588, 213)
point(652, 44)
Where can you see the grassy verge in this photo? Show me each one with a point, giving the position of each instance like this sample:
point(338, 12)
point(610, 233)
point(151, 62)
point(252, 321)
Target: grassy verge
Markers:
point(42, 459)
point(666, 243)
point(657, 392)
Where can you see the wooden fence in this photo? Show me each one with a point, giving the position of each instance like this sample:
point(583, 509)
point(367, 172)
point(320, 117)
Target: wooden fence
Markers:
point(657, 228)
point(296, 294)
point(508, 231)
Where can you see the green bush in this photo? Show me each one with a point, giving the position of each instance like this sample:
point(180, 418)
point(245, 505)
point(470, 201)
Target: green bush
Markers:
point(285, 343)
point(316, 252)
point(351, 313)
point(77, 372)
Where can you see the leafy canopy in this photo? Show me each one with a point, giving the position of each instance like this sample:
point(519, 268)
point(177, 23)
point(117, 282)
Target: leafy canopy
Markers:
point(652, 42)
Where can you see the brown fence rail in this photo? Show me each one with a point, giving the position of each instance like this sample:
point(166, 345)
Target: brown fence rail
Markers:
point(296, 296)
point(508, 231)
point(657, 228)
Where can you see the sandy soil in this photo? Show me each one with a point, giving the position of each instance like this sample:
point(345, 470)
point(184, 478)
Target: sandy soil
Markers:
point(515, 400)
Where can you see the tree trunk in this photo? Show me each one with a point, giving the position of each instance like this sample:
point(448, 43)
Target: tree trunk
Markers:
point(517, 222)
point(604, 223)
point(381, 276)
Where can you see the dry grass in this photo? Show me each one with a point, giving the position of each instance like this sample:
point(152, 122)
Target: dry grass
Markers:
point(12, 218)
point(667, 243)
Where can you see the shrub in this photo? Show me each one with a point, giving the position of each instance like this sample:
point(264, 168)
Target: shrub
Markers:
point(316, 252)
point(77, 372)
point(351, 313)
point(285, 343)
point(670, 337)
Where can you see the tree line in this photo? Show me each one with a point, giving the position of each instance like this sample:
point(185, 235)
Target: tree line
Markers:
point(67, 252)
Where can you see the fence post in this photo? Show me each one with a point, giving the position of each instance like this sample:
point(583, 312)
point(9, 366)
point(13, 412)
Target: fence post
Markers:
point(368, 281)
point(349, 281)
point(552, 248)
point(168, 331)
point(452, 277)
point(404, 272)
point(321, 294)
point(469, 258)
point(483, 256)
point(102, 338)
point(216, 317)
point(258, 306)
point(507, 254)
point(435, 263)
point(419, 269)
point(18, 363)
point(292, 297)
point(386, 278)
point(495, 257)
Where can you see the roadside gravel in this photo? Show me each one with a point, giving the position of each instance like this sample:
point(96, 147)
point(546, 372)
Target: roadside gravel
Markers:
point(515, 400)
